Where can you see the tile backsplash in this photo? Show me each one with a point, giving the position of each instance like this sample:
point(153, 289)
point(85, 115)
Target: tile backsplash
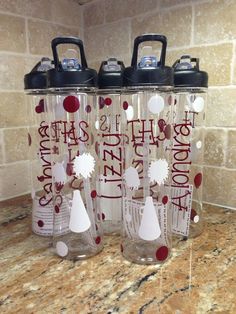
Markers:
point(26, 30)
point(202, 28)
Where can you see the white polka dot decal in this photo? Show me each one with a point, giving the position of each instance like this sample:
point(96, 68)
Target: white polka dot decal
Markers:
point(62, 249)
point(198, 104)
point(196, 219)
point(156, 104)
point(129, 113)
point(199, 144)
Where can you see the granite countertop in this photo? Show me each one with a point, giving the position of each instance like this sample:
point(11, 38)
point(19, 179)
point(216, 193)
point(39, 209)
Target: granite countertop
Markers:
point(199, 278)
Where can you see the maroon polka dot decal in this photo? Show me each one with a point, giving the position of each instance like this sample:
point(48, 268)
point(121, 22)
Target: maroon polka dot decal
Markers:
point(193, 214)
point(167, 131)
point(125, 105)
point(93, 193)
point(103, 216)
point(165, 199)
point(96, 226)
point(97, 148)
point(57, 209)
point(121, 248)
point(41, 178)
point(170, 100)
point(98, 216)
point(29, 140)
point(198, 180)
point(162, 253)
point(101, 102)
point(40, 223)
point(88, 108)
point(161, 124)
point(69, 169)
point(71, 104)
point(98, 240)
point(40, 107)
point(108, 101)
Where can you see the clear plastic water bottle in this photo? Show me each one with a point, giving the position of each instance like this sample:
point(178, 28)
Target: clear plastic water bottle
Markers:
point(39, 149)
point(109, 145)
point(148, 104)
point(188, 146)
point(72, 109)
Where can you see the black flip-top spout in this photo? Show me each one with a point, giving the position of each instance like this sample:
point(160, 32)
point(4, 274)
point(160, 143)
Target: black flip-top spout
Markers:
point(187, 73)
point(157, 74)
point(70, 77)
point(110, 75)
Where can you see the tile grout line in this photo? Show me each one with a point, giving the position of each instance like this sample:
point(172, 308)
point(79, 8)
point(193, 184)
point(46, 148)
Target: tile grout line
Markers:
point(222, 206)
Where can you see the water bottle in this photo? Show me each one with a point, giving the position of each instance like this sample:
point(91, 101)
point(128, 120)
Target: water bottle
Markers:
point(148, 106)
point(39, 149)
point(109, 145)
point(188, 146)
point(72, 108)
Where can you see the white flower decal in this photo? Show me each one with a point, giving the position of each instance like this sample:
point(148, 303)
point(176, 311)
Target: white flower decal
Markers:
point(84, 165)
point(131, 178)
point(158, 171)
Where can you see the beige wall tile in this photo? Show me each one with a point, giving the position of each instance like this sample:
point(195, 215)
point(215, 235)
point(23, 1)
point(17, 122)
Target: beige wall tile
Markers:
point(169, 3)
point(215, 59)
point(66, 12)
point(12, 33)
point(94, 13)
point(165, 22)
point(16, 180)
point(34, 8)
point(215, 21)
point(115, 10)
point(215, 145)
point(41, 34)
point(112, 41)
point(221, 108)
point(231, 150)
point(16, 144)
point(219, 186)
point(13, 110)
point(12, 69)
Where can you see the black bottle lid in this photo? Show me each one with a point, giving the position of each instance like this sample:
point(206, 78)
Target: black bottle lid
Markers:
point(69, 73)
point(37, 78)
point(188, 74)
point(110, 75)
point(150, 71)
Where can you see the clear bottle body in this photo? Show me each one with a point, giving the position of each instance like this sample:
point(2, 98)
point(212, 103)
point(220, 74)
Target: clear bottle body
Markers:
point(40, 164)
point(187, 167)
point(110, 154)
point(146, 232)
point(77, 232)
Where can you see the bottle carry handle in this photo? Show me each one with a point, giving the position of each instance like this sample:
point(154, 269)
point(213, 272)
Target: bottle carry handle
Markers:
point(68, 40)
point(195, 60)
point(149, 37)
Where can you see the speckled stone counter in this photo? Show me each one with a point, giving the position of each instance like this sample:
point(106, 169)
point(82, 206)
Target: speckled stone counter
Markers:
point(199, 278)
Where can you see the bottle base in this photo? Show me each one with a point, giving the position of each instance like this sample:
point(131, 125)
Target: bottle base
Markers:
point(140, 252)
point(77, 247)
